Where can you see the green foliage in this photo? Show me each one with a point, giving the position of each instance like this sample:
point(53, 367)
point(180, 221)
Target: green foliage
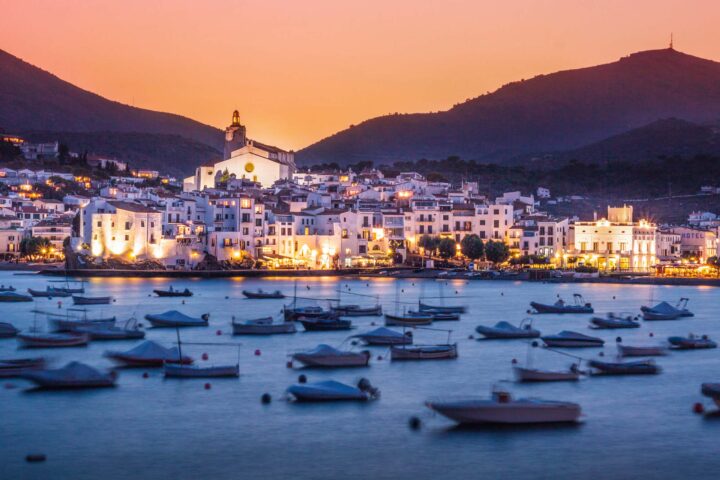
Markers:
point(472, 247)
point(530, 260)
point(429, 243)
point(34, 246)
point(496, 252)
point(446, 248)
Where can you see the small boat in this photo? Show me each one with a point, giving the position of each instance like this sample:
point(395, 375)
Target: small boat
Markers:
point(645, 367)
point(173, 293)
point(711, 390)
point(11, 296)
point(262, 326)
point(501, 408)
point(67, 288)
point(641, 351)
point(53, 340)
point(325, 356)
point(15, 367)
point(534, 375)
point(48, 293)
point(691, 342)
point(332, 391)
point(193, 371)
point(173, 318)
point(129, 331)
point(440, 316)
point(408, 319)
point(506, 330)
point(614, 321)
point(9, 288)
point(148, 354)
point(424, 352)
point(357, 311)
point(293, 313)
point(67, 325)
point(72, 375)
point(579, 306)
point(8, 330)
point(78, 300)
point(424, 307)
point(384, 336)
point(324, 324)
point(260, 295)
point(568, 339)
point(661, 311)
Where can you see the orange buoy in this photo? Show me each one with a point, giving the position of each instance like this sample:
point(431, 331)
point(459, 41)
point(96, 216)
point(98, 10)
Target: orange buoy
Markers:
point(698, 408)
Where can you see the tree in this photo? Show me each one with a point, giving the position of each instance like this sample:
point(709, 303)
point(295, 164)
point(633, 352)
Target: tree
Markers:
point(34, 246)
point(472, 247)
point(447, 248)
point(496, 252)
point(429, 243)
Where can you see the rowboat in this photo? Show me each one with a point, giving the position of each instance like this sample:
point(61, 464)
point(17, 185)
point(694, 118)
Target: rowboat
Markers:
point(691, 342)
point(148, 354)
point(193, 371)
point(14, 367)
point(535, 375)
point(262, 326)
point(8, 330)
point(48, 293)
point(68, 325)
point(505, 330)
point(173, 293)
point(324, 324)
point(173, 318)
point(78, 300)
point(424, 352)
point(332, 391)
point(567, 339)
point(11, 296)
point(646, 367)
point(640, 351)
point(260, 295)
point(408, 319)
point(325, 356)
point(357, 311)
point(614, 321)
point(424, 307)
point(501, 408)
point(72, 375)
point(53, 340)
point(440, 316)
point(384, 336)
point(579, 306)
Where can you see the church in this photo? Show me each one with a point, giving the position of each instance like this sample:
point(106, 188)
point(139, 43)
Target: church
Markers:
point(244, 158)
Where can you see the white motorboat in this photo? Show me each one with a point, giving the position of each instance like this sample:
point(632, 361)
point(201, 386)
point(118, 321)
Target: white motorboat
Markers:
point(534, 375)
point(568, 339)
point(501, 408)
point(612, 321)
point(174, 319)
point(7, 330)
point(385, 336)
point(148, 354)
point(195, 371)
point(505, 330)
point(262, 326)
point(332, 391)
point(325, 356)
point(691, 342)
point(72, 375)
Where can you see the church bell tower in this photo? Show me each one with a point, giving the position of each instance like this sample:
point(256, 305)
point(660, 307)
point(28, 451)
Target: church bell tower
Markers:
point(234, 136)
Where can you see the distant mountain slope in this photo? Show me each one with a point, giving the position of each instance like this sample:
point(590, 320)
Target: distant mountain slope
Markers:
point(559, 111)
point(32, 99)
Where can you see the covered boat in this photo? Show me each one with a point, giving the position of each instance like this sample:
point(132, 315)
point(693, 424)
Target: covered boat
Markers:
point(579, 306)
point(53, 340)
point(68, 324)
point(661, 311)
point(711, 390)
point(384, 336)
point(424, 352)
point(506, 330)
point(568, 339)
point(408, 319)
point(293, 313)
point(14, 297)
point(424, 307)
point(15, 367)
point(645, 367)
point(129, 331)
point(332, 391)
point(171, 292)
point(173, 318)
point(357, 310)
point(325, 356)
point(148, 354)
point(262, 326)
point(641, 351)
point(523, 374)
point(691, 342)
point(501, 408)
point(614, 321)
point(261, 295)
point(8, 330)
point(72, 375)
point(194, 371)
point(78, 300)
point(324, 324)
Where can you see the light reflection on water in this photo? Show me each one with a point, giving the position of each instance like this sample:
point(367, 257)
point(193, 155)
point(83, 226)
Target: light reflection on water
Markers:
point(148, 428)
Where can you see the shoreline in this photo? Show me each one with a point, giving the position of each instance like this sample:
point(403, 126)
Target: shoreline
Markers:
point(357, 272)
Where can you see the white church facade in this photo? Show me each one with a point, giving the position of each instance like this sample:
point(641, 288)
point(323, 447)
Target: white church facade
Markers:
point(243, 158)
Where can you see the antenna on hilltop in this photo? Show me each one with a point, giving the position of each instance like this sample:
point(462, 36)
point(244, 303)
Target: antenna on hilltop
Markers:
point(671, 41)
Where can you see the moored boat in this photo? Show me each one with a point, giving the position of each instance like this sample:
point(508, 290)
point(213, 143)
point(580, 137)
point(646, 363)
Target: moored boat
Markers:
point(506, 330)
point(261, 295)
point(72, 375)
point(645, 367)
point(357, 311)
point(523, 374)
point(8, 330)
point(173, 318)
point(641, 351)
point(614, 321)
point(293, 313)
point(424, 352)
point(384, 336)
point(67, 324)
point(332, 391)
point(9, 288)
point(262, 326)
point(408, 319)
point(129, 331)
point(11, 297)
point(579, 306)
point(325, 356)
point(14, 367)
point(324, 324)
point(78, 300)
point(711, 390)
point(424, 307)
point(171, 292)
point(175, 370)
point(568, 339)
point(691, 342)
point(48, 293)
point(148, 354)
point(53, 340)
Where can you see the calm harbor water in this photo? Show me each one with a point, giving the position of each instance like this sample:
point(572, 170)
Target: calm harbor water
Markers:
point(633, 427)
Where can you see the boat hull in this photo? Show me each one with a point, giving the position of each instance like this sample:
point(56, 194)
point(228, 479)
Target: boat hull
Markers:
point(91, 300)
point(358, 311)
point(55, 340)
point(532, 375)
point(479, 413)
point(630, 351)
point(18, 367)
point(421, 352)
point(499, 334)
point(543, 308)
point(636, 368)
point(407, 321)
point(263, 329)
point(263, 295)
point(320, 325)
point(187, 371)
point(423, 307)
point(359, 359)
point(166, 293)
point(572, 343)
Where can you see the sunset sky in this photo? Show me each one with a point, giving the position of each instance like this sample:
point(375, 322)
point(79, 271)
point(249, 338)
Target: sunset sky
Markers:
point(301, 70)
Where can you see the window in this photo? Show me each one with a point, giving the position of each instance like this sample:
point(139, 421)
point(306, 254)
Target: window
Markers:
point(152, 224)
point(245, 203)
point(142, 223)
point(99, 223)
point(496, 223)
point(127, 225)
point(127, 238)
point(245, 231)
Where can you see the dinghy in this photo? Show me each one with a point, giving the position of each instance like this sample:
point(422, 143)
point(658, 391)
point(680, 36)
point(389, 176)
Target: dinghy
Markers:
point(173, 293)
point(173, 318)
point(424, 307)
point(506, 330)
point(325, 356)
point(534, 375)
point(357, 311)
point(641, 351)
point(579, 306)
point(129, 331)
point(65, 324)
point(424, 352)
point(711, 390)
point(646, 367)
point(8, 330)
point(408, 320)
point(48, 293)
point(72, 375)
point(568, 339)
point(148, 354)
point(439, 316)
point(332, 391)
point(78, 300)
point(262, 326)
point(15, 367)
point(14, 297)
point(53, 340)
point(260, 295)
point(194, 371)
point(691, 342)
point(614, 321)
point(324, 324)
point(384, 336)
point(501, 408)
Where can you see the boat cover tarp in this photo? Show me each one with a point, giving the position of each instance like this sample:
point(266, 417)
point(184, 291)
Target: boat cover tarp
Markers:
point(72, 372)
point(381, 332)
point(574, 335)
point(151, 350)
point(665, 308)
point(323, 349)
point(325, 389)
point(174, 316)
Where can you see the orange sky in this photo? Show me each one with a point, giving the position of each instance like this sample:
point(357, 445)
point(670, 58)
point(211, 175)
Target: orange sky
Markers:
point(299, 70)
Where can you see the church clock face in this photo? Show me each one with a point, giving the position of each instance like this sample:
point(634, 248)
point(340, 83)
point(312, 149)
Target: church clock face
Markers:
point(249, 167)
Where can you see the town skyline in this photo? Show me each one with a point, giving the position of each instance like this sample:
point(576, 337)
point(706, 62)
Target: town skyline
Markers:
point(427, 61)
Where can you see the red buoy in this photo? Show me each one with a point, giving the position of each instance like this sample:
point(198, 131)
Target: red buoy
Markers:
point(207, 386)
point(146, 375)
point(652, 334)
point(204, 356)
point(218, 333)
point(379, 357)
point(288, 364)
point(698, 408)
point(258, 352)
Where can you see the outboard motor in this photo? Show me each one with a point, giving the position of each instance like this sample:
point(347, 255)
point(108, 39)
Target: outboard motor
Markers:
point(365, 385)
